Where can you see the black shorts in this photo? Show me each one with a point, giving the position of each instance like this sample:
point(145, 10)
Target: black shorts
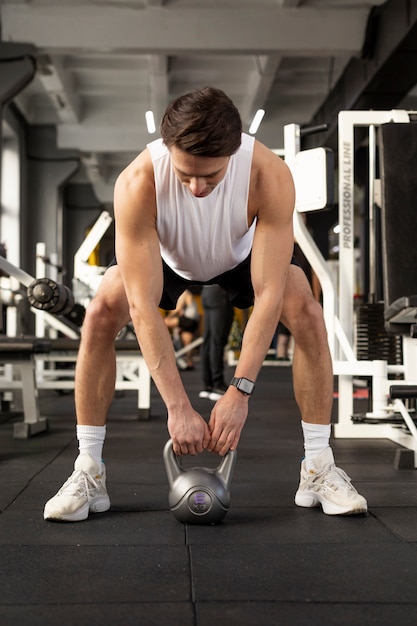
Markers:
point(187, 324)
point(237, 282)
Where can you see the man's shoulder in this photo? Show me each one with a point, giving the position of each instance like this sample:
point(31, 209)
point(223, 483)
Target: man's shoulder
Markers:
point(137, 174)
point(270, 180)
point(157, 149)
point(266, 163)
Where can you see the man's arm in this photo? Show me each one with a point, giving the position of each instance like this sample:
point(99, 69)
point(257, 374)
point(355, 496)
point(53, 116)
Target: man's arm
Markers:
point(139, 260)
point(272, 200)
point(271, 256)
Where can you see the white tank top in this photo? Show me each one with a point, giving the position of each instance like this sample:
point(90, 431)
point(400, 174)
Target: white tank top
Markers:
point(191, 311)
point(201, 238)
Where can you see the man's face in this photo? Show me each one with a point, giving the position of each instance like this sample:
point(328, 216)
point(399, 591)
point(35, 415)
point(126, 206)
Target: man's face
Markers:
point(199, 174)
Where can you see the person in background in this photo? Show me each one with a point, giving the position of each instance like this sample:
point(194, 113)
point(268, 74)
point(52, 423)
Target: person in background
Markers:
point(183, 322)
point(283, 337)
point(218, 318)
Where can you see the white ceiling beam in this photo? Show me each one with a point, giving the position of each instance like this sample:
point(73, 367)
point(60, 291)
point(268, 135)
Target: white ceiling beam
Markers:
point(58, 85)
point(259, 85)
point(100, 176)
point(166, 30)
point(103, 138)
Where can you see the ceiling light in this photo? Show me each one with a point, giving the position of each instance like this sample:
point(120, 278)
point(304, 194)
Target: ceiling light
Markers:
point(150, 122)
point(256, 121)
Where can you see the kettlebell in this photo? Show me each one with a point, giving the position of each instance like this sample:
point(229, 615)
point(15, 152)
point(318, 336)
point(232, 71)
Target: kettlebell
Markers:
point(199, 495)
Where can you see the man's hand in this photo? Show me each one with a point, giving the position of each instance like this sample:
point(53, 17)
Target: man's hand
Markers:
point(189, 432)
point(227, 420)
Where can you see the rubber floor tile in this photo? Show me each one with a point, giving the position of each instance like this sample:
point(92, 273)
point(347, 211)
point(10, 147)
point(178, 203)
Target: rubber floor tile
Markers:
point(304, 573)
point(92, 574)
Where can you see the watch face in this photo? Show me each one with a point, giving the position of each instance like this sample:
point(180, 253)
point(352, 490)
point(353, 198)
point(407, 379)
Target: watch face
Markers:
point(246, 385)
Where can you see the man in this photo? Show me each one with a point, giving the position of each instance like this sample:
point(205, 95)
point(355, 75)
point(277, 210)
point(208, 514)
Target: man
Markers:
point(205, 204)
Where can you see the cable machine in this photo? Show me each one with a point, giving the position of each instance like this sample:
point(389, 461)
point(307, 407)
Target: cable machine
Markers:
point(393, 386)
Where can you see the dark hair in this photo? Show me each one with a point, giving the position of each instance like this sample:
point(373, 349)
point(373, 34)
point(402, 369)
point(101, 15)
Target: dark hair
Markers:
point(203, 122)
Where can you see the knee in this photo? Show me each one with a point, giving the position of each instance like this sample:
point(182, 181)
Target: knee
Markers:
point(102, 319)
point(308, 322)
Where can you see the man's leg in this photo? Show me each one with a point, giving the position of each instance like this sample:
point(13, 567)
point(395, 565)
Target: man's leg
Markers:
point(186, 338)
point(222, 318)
point(205, 349)
point(312, 365)
point(283, 337)
point(321, 481)
point(95, 375)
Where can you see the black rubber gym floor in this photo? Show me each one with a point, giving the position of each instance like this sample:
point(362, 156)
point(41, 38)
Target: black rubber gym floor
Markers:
point(268, 563)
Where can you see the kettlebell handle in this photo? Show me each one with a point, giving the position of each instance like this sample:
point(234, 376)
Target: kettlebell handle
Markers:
point(226, 467)
point(173, 468)
point(224, 470)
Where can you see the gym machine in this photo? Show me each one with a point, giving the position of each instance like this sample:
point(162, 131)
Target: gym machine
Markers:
point(42, 361)
point(392, 378)
point(20, 352)
point(87, 278)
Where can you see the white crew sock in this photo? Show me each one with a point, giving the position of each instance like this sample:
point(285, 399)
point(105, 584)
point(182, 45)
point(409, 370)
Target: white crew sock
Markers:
point(91, 440)
point(316, 440)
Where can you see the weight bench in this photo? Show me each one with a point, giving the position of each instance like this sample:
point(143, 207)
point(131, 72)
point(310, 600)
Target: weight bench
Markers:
point(21, 353)
point(131, 373)
point(28, 353)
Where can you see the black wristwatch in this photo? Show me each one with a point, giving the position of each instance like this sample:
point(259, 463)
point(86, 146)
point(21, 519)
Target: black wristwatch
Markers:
point(244, 385)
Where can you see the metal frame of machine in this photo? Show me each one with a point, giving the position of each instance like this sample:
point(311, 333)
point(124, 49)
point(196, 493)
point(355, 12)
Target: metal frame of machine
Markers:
point(338, 294)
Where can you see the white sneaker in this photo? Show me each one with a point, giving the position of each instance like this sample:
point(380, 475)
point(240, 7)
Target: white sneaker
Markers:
point(329, 486)
point(217, 392)
point(84, 491)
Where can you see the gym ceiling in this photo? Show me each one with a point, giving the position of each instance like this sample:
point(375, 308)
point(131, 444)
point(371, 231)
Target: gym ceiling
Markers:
point(99, 65)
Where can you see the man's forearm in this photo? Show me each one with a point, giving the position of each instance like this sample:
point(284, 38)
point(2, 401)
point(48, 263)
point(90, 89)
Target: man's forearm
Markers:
point(158, 351)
